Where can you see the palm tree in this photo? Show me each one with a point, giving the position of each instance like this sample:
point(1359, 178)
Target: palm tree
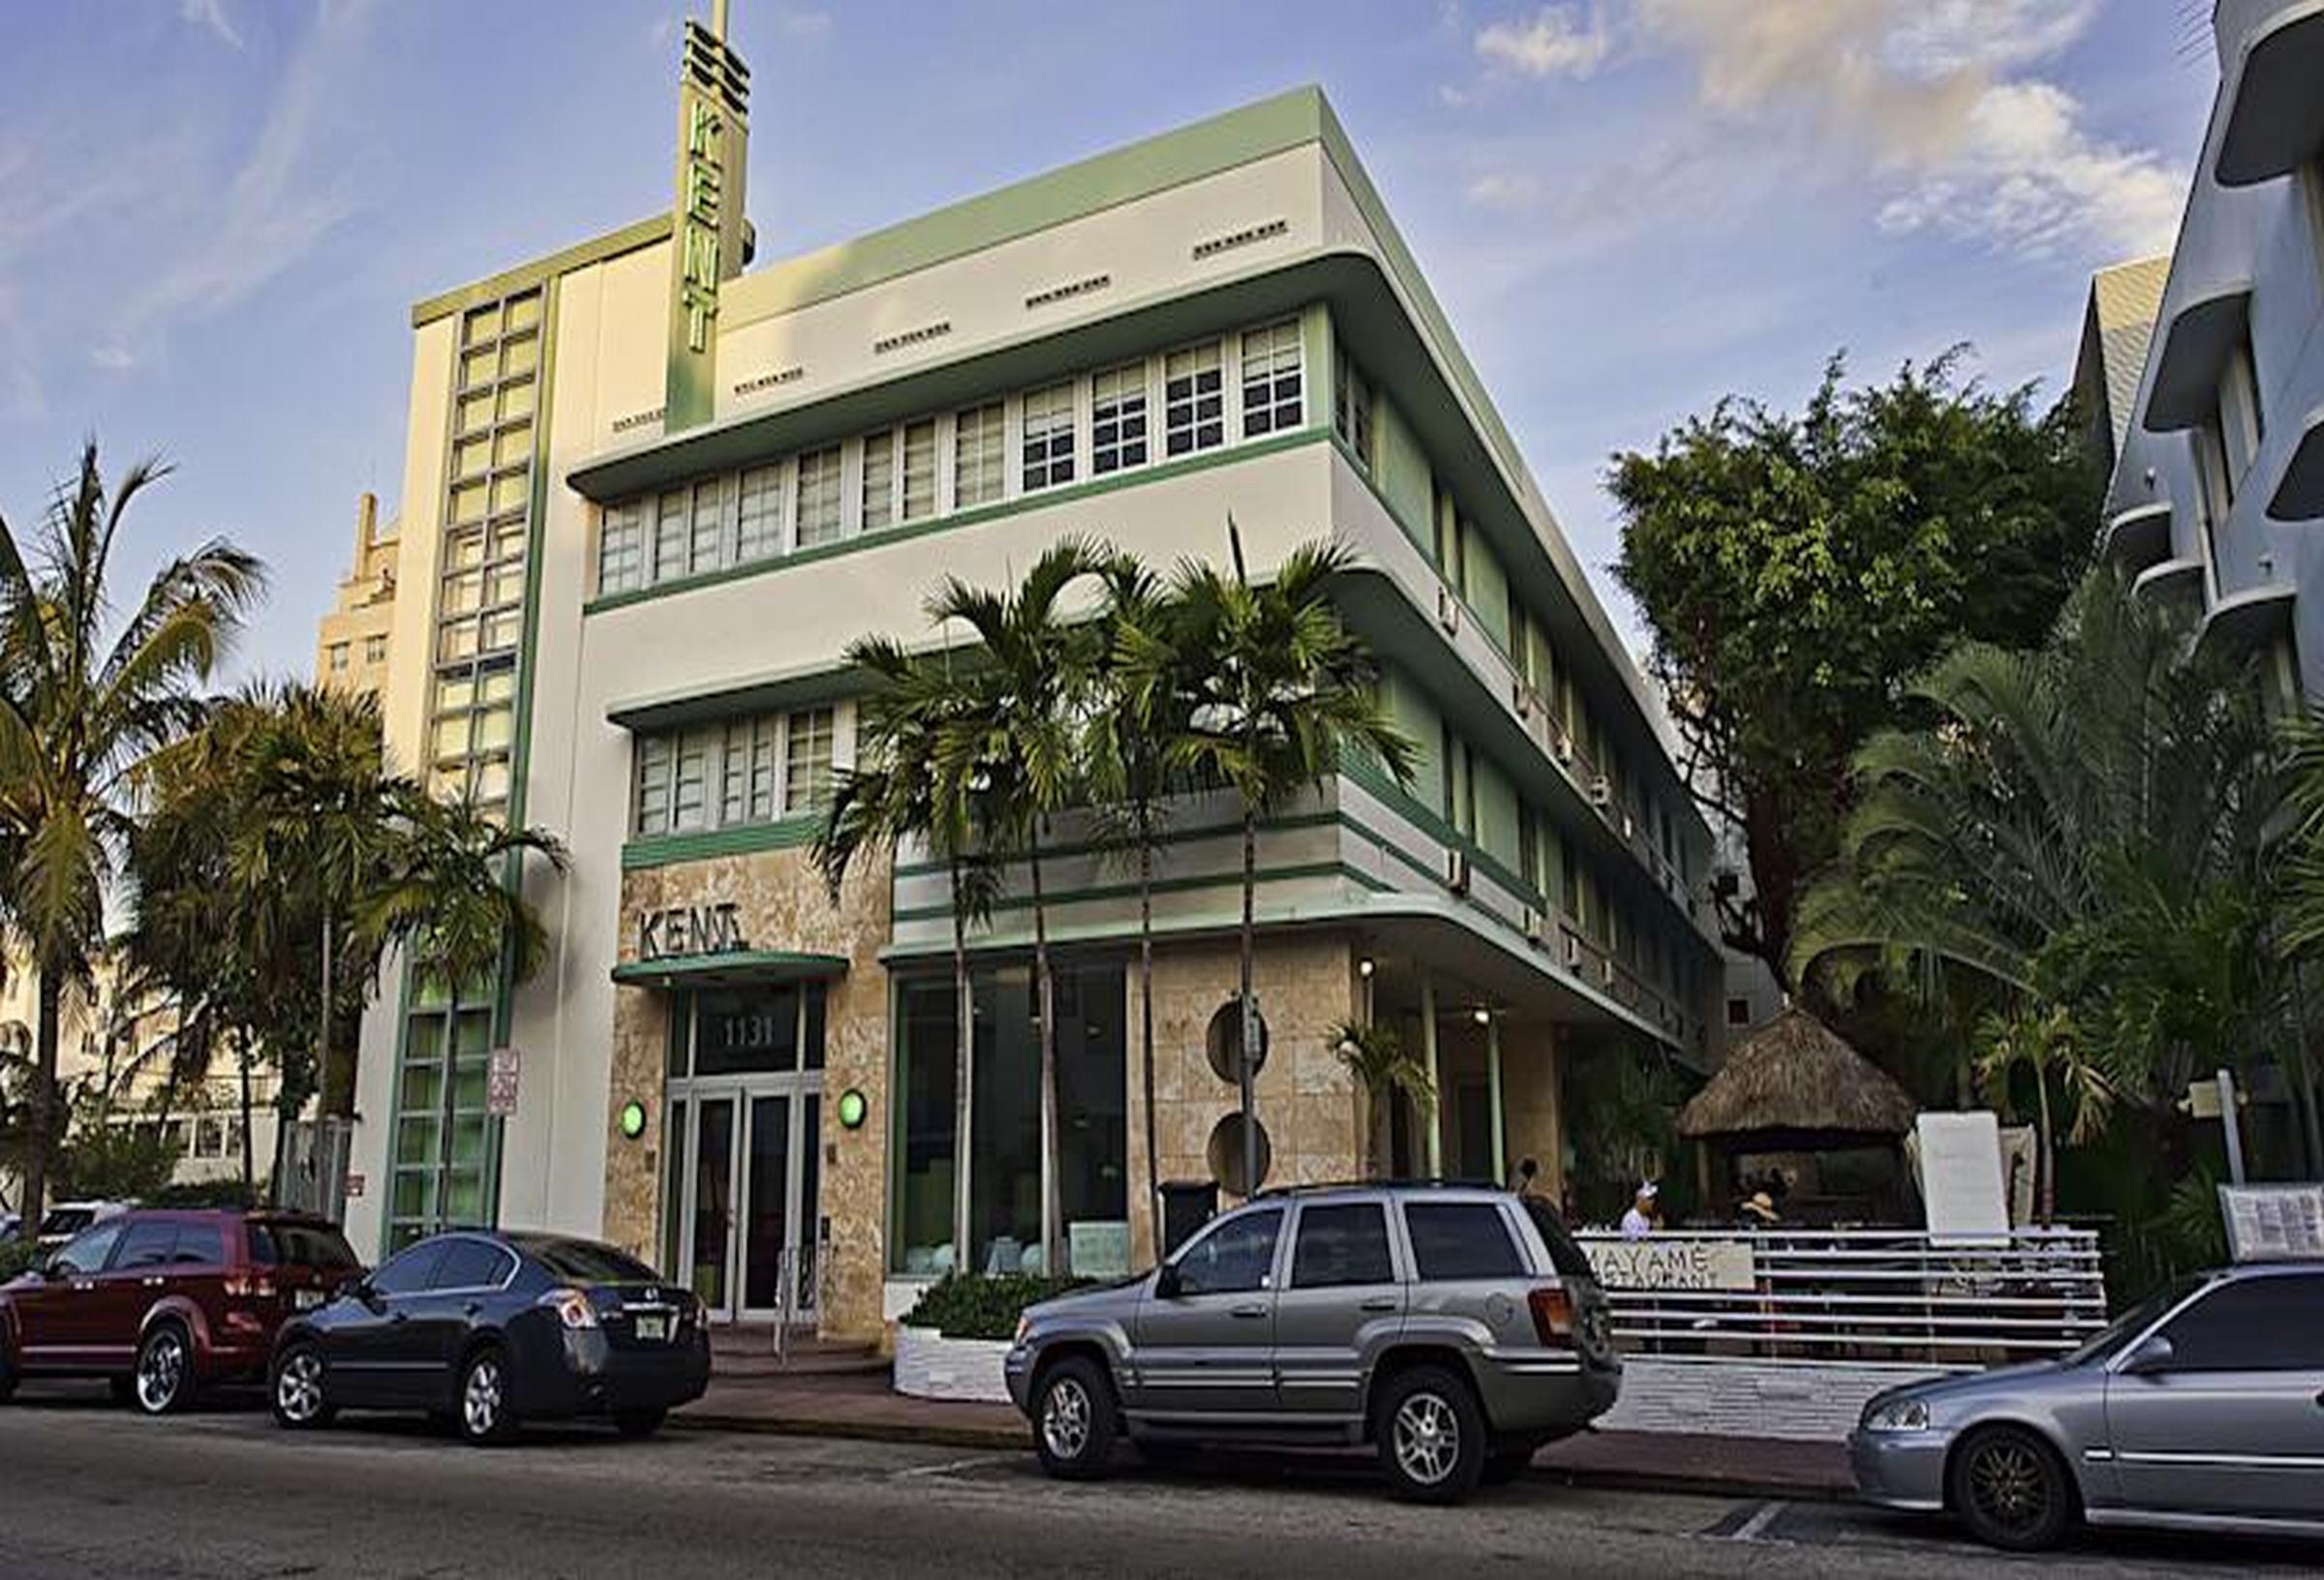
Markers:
point(896, 792)
point(1014, 744)
point(2046, 1043)
point(1143, 687)
point(1385, 1069)
point(1285, 692)
point(84, 702)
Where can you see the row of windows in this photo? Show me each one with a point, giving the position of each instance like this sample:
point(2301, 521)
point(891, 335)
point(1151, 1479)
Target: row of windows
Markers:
point(375, 652)
point(1111, 420)
point(737, 771)
point(1346, 1245)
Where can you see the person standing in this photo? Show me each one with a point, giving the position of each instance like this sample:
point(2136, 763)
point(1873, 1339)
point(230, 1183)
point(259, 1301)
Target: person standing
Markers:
point(1644, 1212)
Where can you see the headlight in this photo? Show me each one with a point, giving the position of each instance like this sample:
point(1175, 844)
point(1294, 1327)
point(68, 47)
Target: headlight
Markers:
point(1898, 1416)
point(1025, 1326)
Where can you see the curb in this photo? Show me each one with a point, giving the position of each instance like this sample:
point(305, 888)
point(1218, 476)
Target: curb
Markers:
point(1009, 1438)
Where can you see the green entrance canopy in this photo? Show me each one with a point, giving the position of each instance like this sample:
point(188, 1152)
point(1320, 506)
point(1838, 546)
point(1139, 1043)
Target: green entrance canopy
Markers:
point(735, 967)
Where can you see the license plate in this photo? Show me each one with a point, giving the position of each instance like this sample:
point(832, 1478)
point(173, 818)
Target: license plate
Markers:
point(305, 1299)
point(653, 1327)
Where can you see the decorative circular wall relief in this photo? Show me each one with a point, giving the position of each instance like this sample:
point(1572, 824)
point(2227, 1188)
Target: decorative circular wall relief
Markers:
point(1225, 1155)
point(1223, 1042)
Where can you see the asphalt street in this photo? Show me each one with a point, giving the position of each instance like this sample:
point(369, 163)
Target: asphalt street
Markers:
point(88, 1489)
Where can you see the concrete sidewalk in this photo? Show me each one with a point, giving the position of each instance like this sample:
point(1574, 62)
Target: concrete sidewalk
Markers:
point(861, 1404)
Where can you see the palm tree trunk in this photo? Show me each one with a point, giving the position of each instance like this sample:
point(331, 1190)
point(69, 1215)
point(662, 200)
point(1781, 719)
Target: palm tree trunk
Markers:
point(1053, 1230)
point(250, 1182)
point(2045, 1165)
point(963, 1074)
point(322, 1043)
point(50, 1002)
point(1145, 1015)
point(1246, 1067)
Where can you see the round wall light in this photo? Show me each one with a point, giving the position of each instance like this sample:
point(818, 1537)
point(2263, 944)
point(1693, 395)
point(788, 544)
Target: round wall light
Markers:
point(634, 1119)
point(854, 1108)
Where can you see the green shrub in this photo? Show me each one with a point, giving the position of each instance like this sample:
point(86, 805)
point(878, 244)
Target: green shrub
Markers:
point(207, 1193)
point(18, 1254)
point(978, 1306)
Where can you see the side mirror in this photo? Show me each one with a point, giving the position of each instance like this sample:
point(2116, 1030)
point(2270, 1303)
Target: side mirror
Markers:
point(1166, 1282)
point(2152, 1355)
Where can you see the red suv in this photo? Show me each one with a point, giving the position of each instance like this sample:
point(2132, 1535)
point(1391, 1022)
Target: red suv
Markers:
point(161, 1301)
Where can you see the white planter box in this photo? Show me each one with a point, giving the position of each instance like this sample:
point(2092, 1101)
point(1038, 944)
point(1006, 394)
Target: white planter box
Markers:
point(931, 1366)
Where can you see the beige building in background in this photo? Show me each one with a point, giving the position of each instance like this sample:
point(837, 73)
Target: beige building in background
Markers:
point(353, 642)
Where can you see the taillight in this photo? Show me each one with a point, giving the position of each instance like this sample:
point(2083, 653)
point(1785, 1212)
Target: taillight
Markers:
point(242, 1286)
point(1552, 1317)
point(573, 1308)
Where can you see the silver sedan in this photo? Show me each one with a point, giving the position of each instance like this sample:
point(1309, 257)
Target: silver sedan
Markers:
point(2202, 1410)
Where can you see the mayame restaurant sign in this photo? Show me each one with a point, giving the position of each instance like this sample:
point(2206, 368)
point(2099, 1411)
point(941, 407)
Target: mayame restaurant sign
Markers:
point(677, 930)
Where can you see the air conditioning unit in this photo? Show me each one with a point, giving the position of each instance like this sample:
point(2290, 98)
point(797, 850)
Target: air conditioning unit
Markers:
point(1521, 697)
point(1457, 871)
point(1606, 967)
point(1573, 952)
point(1602, 791)
point(1630, 829)
point(1537, 927)
point(1448, 611)
point(1565, 746)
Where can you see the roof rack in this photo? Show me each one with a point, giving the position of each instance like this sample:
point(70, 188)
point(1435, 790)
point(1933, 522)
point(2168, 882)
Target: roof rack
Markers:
point(1319, 1186)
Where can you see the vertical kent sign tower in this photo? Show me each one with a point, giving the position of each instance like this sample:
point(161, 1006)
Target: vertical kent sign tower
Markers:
point(710, 241)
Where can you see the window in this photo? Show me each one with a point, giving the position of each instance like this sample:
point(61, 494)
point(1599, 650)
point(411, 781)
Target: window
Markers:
point(653, 784)
point(199, 1245)
point(879, 482)
point(706, 549)
point(1566, 1253)
point(979, 455)
point(86, 1254)
point(412, 1271)
point(806, 760)
point(148, 1242)
point(1738, 1011)
point(338, 658)
point(1529, 849)
point(1235, 1257)
point(1117, 419)
point(1049, 437)
point(375, 650)
point(1193, 401)
point(1352, 406)
point(1461, 1239)
point(300, 1245)
point(671, 536)
point(689, 792)
point(919, 470)
point(1341, 1245)
point(473, 1264)
point(758, 515)
point(585, 1261)
point(1271, 402)
point(819, 497)
point(2253, 1325)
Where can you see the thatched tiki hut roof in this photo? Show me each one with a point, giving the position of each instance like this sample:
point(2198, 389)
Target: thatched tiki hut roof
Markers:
point(1794, 1075)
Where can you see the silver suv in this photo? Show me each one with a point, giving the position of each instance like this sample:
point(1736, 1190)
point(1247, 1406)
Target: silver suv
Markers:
point(1458, 1329)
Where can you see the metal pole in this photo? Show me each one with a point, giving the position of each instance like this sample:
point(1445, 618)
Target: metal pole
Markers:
point(1434, 1152)
point(2231, 1128)
point(1492, 1084)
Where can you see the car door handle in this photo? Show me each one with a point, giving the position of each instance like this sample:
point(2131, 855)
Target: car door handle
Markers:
point(1254, 1309)
point(1382, 1303)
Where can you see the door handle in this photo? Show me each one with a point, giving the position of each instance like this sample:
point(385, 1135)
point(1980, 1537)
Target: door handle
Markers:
point(1379, 1303)
point(1254, 1309)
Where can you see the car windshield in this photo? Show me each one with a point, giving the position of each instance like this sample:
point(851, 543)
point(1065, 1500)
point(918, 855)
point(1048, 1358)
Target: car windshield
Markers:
point(2132, 1323)
point(585, 1261)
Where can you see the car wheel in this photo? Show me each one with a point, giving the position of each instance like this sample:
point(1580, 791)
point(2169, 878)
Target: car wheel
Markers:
point(164, 1380)
point(2010, 1489)
point(1431, 1436)
point(488, 1413)
point(638, 1423)
point(1072, 1420)
point(1504, 1465)
point(301, 1393)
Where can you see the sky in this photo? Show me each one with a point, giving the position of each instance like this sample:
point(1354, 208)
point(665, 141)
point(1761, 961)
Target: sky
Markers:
point(215, 213)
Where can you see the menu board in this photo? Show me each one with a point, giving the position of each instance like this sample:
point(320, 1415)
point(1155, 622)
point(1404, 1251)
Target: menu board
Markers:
point(1960, 1176)
point(2273, 1223)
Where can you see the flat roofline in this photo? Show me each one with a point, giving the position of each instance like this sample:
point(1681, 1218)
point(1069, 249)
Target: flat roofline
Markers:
point(645, 232)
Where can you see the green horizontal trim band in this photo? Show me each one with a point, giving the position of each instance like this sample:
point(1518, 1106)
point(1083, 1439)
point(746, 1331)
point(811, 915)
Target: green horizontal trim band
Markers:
point(597, 249)
point(1162, 886)
point(736, 965)
point(665, 850)
point(1160, 471)
point(1376, 783)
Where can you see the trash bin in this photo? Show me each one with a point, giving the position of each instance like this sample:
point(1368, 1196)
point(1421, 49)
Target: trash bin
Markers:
point(1187, 1204)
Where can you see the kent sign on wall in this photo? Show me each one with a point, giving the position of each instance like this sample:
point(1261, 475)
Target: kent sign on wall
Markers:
point(691, 930)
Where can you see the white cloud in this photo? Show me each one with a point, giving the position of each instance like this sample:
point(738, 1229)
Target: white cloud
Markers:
point(1556, 43)
point(803, 26)
point(1503, 190)
point(209, 14)
point(112, 358)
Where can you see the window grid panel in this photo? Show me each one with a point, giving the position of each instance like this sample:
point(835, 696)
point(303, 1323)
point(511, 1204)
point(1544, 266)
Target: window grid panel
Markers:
point(819, 497)
point(1193, 401)
point(1117, 419)
point(1272, 398)
point(919, 470)
point(758, 514)
point(980, 455)
point(807, 769)
point(879, 482)
point(1049, 419)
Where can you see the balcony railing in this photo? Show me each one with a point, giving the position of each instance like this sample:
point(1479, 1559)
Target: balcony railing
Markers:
point(1863, 1296)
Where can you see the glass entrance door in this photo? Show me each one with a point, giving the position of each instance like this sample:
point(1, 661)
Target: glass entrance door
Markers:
point(710, 1239)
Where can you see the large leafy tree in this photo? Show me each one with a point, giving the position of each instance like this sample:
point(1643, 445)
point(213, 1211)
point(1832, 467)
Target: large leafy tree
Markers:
point(1285, 692)
point(1795, 572)
point(1015, 745)
point(87, 696)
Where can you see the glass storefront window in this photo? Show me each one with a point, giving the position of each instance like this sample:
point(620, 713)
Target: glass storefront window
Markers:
point(1005, 1124)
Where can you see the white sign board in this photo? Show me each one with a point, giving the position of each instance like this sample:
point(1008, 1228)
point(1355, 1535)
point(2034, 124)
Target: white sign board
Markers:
point(2273, 1223)
point(500, 1081)
point(1098, 1247)
point(1960, 1176)
point(1653, 1264)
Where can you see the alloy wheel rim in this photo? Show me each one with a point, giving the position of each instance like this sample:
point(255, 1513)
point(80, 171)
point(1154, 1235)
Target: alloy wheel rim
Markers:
point(2005, 1481)
point(480, 1401)
point(160, 1371)
point(1427, 1438)
point(1065, 1419)
point(299, 1388)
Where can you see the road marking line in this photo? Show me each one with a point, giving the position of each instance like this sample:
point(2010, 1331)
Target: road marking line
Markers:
point(946, 1469)
point(1749, 1530)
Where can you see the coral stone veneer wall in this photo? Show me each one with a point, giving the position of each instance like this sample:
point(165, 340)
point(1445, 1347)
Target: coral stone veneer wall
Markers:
point(781, 905)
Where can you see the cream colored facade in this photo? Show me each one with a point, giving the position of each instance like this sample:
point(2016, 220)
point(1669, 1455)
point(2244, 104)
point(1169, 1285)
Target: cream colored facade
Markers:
point(887, 412)
point(352, 641)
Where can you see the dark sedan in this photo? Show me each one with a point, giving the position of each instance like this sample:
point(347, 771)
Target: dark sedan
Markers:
point(486, 1330)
